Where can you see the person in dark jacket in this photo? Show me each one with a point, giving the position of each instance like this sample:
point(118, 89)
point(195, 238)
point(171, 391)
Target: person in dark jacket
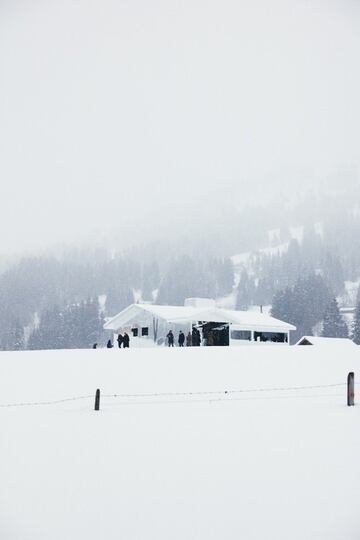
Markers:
point(94, 346)
point(181, 338)
point(189, 340)
point(210, 339)
point(126, 340)
point(170, 338)
point(196, 339)
point(109, 345)
point(120, 340)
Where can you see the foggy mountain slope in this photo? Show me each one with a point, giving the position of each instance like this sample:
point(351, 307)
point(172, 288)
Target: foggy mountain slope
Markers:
point(226, 228)
point(239, 257)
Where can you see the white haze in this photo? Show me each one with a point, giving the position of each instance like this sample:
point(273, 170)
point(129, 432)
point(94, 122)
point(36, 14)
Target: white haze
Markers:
point(123, 117)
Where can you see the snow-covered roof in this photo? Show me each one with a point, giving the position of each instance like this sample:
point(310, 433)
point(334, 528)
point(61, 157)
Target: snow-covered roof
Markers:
point(247, 320)
point(325, 341)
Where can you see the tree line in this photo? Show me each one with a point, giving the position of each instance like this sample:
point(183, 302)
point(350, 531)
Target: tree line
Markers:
point(48, 303)
point(307, 304)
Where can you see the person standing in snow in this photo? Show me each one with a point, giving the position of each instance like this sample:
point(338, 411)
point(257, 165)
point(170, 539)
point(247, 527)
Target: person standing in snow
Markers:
point(126, 341)
point(189, 340)
point(170, 338)
point(120, 340)
point(181, 338)
point(196, 339)
point(109, 345)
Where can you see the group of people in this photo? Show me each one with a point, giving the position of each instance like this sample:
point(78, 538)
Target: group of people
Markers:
point(123, 340)
point(193, 339)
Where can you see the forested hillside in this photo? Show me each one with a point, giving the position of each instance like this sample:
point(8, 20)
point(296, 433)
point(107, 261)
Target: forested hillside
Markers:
point(253, 257)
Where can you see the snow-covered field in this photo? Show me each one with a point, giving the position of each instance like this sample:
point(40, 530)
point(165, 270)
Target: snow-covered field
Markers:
point(274, 465)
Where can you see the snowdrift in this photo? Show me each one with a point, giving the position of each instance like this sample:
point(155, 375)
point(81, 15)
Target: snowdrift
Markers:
point(209, 444)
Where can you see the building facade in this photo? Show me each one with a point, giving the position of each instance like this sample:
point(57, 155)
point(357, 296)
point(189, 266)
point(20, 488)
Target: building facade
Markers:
point(149, 324)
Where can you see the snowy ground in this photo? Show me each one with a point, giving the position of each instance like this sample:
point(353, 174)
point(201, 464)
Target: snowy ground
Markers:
point(271, 465)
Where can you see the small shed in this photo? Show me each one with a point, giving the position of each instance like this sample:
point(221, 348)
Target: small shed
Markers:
point(325, 341)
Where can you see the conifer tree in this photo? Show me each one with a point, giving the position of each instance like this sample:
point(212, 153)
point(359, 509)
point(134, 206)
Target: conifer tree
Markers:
point(118, 297)
point(263, 292)
point(225, 277)
point(92, 323)
point(333, 272)
point(356, 322)
point(333, 324)
point(73, 326)
point(282, 306)
point(181, 281)
point(245, 291)
point(34, 341)
point(15, 336)
point(303, 304)
point(150, 280)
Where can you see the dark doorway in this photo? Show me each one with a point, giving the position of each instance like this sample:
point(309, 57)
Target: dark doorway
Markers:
point(215, 334)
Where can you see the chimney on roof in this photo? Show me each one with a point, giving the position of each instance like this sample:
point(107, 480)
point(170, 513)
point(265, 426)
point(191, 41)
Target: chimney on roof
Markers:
point(200, 302)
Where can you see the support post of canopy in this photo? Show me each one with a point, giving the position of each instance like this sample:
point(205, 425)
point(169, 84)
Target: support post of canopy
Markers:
point(155, 328)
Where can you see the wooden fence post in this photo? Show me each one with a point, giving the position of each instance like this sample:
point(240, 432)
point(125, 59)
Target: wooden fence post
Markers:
point(97, 400)
point(351, 389)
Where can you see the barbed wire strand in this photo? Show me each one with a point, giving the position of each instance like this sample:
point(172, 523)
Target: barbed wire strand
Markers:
point(223, 399)
point(174, 394)
point(217, 392)
point(53, 402)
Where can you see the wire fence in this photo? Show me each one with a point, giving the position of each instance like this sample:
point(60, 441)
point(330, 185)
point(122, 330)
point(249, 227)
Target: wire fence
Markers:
point(52, 402)
point(191, 396)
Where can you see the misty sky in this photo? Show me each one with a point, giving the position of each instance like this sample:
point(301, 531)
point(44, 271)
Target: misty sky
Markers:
point(122, 115)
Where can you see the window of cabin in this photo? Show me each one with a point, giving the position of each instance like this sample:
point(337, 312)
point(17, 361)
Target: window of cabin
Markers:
point(274, 337)
point(241, 334)
point(135, 332)
point(145, 331)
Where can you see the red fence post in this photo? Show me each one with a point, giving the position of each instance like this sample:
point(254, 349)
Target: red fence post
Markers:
point(351, 389)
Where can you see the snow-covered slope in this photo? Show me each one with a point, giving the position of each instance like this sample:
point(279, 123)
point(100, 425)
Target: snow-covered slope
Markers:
point(275, 247)
point(265, 464)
